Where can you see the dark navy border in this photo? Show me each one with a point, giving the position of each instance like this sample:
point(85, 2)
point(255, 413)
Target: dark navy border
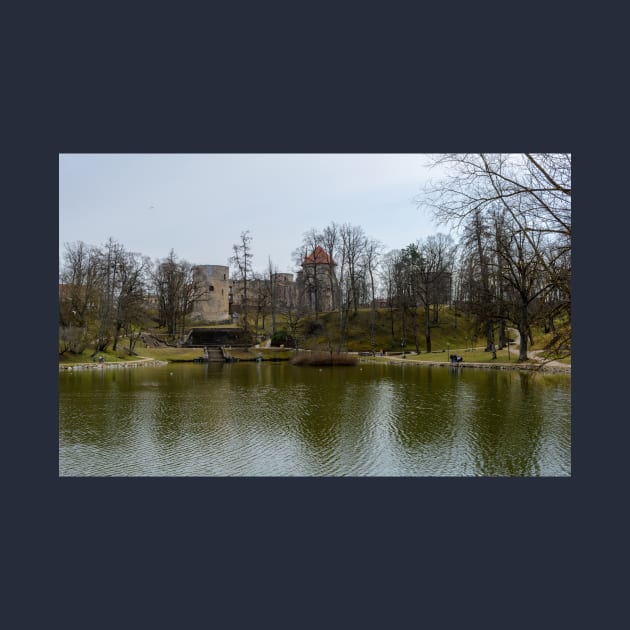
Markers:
point(445, 553)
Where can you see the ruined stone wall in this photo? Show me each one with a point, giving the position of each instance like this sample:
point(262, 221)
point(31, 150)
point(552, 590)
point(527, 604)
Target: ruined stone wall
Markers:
point(214, 303)
point(283, 278)
point(313, 286)
point(285, 292)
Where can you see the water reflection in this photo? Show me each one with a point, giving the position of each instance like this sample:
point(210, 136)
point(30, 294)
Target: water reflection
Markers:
point(278, 420)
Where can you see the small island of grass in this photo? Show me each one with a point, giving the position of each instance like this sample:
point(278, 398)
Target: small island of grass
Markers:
point(323, 359)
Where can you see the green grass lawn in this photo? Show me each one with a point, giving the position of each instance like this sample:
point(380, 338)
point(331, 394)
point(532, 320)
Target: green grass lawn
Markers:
point(86, 357)
point(171, 354)
point(476, 355)
point(161, 354)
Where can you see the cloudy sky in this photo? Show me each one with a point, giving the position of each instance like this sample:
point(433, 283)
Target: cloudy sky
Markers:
point(198, 205)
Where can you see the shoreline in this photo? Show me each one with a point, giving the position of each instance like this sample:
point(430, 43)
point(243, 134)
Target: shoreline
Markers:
point(530, 367)
point(112, 364)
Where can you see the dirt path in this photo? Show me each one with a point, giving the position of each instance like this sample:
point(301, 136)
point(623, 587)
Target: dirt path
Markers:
point(535, 355)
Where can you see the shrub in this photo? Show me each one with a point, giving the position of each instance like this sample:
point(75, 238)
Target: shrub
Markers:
point(314, 327)
point(282, 338)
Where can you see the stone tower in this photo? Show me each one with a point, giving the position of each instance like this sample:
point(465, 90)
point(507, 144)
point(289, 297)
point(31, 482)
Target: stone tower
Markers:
point(317, 281)
point(214, 305)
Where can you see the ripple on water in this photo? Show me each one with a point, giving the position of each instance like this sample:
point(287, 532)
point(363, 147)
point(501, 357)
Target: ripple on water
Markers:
point(281, 421)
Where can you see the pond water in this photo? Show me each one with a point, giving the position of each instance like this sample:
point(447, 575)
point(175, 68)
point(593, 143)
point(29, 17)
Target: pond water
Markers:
point(273, 419)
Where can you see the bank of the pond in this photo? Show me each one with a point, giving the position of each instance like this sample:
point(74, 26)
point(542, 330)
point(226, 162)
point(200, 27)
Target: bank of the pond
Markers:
point(550, 367)
point(536, 364)
point(111, 364)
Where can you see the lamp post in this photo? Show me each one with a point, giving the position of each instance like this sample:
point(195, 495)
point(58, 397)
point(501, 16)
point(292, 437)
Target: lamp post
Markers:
point(448, 350)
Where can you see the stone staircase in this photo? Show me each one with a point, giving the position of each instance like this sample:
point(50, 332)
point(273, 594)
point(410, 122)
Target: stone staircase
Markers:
point(215, 355)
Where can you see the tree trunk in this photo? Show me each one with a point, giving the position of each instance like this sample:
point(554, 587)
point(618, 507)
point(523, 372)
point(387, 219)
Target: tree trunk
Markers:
point(501, 334)
point(133, 340)
point(391, 316)
point(116, 335)
point(427, 328)
point(489, 336)
point(373, 314)
point(403, 328)
point(415, 330)
point(342, 327)
point(523, 327)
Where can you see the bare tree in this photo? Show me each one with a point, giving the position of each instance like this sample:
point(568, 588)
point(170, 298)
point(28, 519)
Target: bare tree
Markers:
point(423, 279)
point(111, 261)
point(80, 284)
point(410, 270)
point(530, 196)
point(353, 243)
point(439, 252)
point(190, 292)
point(330, 241)
point(130, 300)
point(168, 280)
point(102, 293)
point(177, 291)
point(479, 260)
point(261, 286)
point(371, 257)
point(310, 261)
point(241, 259)
point(476, 182)
point(294, 314)
point(524, 269)
point(273, 294)
point(389, 269)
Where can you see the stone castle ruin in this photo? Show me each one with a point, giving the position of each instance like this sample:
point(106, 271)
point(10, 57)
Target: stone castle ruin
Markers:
point(216, 289)
point(222, 298)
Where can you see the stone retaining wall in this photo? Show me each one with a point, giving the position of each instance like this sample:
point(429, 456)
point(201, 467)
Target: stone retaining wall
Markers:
point(113, 364)
point(532, 367)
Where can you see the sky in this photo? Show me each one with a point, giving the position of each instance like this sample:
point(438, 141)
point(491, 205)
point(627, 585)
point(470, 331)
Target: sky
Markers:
point(199, 204)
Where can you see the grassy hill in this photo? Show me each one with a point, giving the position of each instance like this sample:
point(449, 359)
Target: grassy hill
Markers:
point(452, 331)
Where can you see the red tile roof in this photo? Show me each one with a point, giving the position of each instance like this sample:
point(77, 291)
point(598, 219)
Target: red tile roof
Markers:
point(318, 257)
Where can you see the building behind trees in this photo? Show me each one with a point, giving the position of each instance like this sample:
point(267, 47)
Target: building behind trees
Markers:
point(314, 282)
